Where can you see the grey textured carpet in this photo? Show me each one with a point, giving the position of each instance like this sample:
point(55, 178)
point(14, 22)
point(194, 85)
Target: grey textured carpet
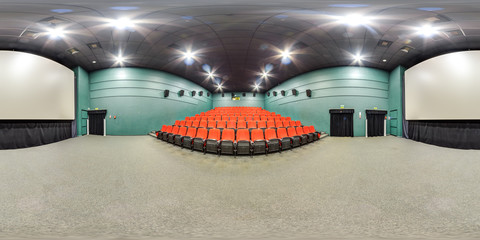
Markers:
point(95, 187)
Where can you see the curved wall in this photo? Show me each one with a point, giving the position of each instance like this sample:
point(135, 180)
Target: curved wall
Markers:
point(136, 97)
point(248, 101)
point(356, 88)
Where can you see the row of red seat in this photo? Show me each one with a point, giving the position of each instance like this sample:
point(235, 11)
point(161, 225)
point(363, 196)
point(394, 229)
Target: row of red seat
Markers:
point(238, 141)
point(238, 118)
point(239, 124)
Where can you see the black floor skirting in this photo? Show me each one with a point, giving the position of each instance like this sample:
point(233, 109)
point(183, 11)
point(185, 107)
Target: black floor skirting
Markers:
point(30, 133)
point(453, 134)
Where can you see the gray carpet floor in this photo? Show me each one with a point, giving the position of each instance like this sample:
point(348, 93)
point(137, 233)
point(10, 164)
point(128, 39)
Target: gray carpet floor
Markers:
point(137, 187)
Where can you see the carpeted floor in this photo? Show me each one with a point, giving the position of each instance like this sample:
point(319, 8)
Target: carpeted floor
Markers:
point(137, 187)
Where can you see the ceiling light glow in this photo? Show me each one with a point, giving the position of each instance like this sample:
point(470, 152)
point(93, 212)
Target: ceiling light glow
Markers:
point(189, 57)
point(122, 23)
point(119, 59)
point(56, 33)
point(355, 20)
point(427, 31)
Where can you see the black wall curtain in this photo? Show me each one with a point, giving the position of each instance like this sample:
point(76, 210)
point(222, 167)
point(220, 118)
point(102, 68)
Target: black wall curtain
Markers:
point(376, 124)
point(96, 118)
point(25, 133)
point(454, 134)
point(341, 122)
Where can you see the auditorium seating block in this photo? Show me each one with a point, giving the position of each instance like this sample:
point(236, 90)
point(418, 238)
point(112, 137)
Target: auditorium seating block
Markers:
point(238, 131)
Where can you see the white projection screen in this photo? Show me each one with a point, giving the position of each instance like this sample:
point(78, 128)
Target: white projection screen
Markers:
point(446, 87)
point(35, 88)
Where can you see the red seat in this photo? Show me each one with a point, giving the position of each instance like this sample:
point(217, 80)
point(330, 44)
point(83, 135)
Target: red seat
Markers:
point(298, 123)
point(212, 124)
point(272, 141)
point(177, 123)
point(293, 124)
point(203, 124)
point(241, 124)
point(196, 123)
point(231, 124)
point(278, 124)
point(211, 144)
point(161, 131)
point(199, 140)
point(178, 138)
point(182, 123)
point(221, 124)
point(252, 124)
point(270, 124)
point(303, 136)
point(243, 141)
point(188, 138)
point(293, 134)
point(227, 142)
point(263, 118)
point(187, 119)
point(258, 140)
point(173, 133)
point(261, 124)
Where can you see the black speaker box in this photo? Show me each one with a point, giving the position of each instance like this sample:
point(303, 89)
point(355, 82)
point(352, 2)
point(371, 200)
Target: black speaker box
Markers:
point(274, 93)
point(309, 93)
point(254, 94)
point(268, 94)
point(181, 93)
point(233, 95)
point(244, 94)
point(283, 93)
point(193, 93)
point(208, 94)
point(165, 93)
point(200, 93)
point(294, 92)
point(223, 94)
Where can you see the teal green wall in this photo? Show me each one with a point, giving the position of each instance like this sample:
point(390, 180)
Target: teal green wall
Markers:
point(395, 102)
point(359, 88)
point(82, 101)
point(247, 101)
point(136, 97)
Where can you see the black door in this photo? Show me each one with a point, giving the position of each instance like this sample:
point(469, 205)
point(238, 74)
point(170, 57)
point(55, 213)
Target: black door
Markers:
point(341, 122)
point(375, 122)
point(96, 118)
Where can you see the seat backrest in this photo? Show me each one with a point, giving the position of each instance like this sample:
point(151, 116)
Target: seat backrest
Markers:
point(261, 124)
point(286, 123)
point(307, 129)
point(293, 124)
point(312, 129)
point(203, 124)
point(196, 123)
point(228, 134)
point(212, 124)
point(248, 118)
point(182, 131)
point(298, 123)
point(188, 123)
point(252, 124)
point(270, 124)
point(263, 118)
point(278, 124)
point(225, 118)
point(282, 119)
point(164, 128)
point(211, 118)
point(288, 119)
point(198, 118)
point(191, 132)
point(201, 133)
point(218, 118)
point(270, 133)
point(187, 119)
point(214, 133)
point(299, 130)
point(256, 118)
point(177, 122)
point(291, 132)
point(231, 124)
point(241, 124)
point(182, 123)
point(243, 134)
point(222, 124)
point(175, 129)
point(257, 134)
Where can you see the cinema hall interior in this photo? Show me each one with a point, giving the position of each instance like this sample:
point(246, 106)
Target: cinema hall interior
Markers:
point(239, 119)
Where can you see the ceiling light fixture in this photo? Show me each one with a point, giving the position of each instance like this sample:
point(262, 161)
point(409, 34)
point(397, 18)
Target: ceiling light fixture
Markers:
point(358, 58)
point(355, 20)
point(286, 57)
point(427, 31)
point(119, 59)
point(122, 23)
point(56, 33)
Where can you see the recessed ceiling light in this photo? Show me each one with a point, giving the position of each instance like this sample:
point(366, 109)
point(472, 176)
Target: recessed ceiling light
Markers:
point(384, 60)
point(94, 61)
point(61, 10)
point(286, 57)
point(406, 49)
point(358, 58)
point(189, 57)
point(94, 45)
point(355, 20)
point(56, 33)
point(384, 43)
point(430, 9)
point(119, 59)
point(73, 51)
point(122, 23)
point(427, 31)
point(124, 8)
point(30, 34)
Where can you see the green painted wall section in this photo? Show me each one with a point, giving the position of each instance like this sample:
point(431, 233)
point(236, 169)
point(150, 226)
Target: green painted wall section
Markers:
point(83, 99)
point(136, 97)
point(248, 101)
point(356, 88)
point(395, 102)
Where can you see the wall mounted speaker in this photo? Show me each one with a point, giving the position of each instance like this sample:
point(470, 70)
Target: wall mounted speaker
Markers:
point(294, 92)
point(233, 95)
point(181, 92)
point(254, 94)
point(223, 94)
point(208, 94)
point(274, 93)
point(309, 93)
point(244, 94)
point(282, 92)
point(200, 93)
point(268, 94)
point(193, 93)
point(165, 93)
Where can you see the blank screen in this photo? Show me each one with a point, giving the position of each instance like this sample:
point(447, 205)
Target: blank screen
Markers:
point(35, 88)
point(446, 87)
